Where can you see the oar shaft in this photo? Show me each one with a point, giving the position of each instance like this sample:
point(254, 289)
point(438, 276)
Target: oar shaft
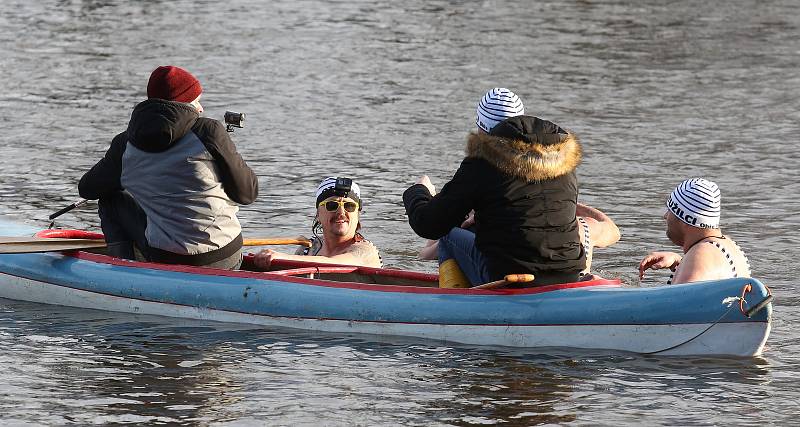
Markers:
point(10, 245)
point(492, 285)
point(277, 241)
point(67, 209)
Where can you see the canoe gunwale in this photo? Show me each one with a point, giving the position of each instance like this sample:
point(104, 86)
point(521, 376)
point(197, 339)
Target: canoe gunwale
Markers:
point(266, 275)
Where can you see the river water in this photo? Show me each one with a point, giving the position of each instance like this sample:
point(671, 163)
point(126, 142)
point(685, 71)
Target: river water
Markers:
point(383, 92)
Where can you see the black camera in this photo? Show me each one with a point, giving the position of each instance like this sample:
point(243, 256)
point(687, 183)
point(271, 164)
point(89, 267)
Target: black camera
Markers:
point(234, 120)
point(342, 186)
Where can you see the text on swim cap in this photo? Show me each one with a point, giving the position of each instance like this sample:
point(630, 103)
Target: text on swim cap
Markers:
point(676, 209)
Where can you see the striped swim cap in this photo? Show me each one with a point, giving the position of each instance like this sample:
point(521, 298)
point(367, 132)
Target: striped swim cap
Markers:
point(497, 105)
point(331, 186)
point(696, 202)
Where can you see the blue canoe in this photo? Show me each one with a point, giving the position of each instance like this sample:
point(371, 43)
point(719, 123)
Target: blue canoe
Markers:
point(727, 317)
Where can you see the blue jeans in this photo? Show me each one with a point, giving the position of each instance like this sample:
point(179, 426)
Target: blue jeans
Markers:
point(459, 244)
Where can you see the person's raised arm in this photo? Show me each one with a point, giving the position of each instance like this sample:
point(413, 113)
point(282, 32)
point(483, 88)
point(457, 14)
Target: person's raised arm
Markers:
point(238, 180)
point(432, 216)
point(603, 230)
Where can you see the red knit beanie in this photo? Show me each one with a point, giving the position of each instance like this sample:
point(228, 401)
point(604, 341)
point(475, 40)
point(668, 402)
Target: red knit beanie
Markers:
point(173, 84)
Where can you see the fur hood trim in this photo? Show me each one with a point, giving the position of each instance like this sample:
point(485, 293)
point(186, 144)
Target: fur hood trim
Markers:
point(532, 161)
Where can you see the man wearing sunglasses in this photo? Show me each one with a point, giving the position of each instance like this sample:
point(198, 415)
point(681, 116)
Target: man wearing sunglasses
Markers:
point(336, 237)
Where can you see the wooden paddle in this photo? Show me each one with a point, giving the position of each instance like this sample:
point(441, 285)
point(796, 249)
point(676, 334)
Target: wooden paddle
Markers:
point(277, 241)
point(20, 245)
point(510, 278)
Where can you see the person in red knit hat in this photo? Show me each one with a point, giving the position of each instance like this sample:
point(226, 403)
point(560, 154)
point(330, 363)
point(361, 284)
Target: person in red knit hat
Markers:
point(170, 184)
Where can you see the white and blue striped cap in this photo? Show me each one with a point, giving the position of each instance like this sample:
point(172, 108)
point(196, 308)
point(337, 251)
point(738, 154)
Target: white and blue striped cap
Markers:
point(497, 105)
point(697, 202)
point(328, 188)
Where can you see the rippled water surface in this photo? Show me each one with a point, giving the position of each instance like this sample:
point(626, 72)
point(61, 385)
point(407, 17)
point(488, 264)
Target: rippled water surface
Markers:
point(385, 91)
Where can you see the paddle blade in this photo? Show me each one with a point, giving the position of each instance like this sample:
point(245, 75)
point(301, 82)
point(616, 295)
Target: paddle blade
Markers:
point(22, 245)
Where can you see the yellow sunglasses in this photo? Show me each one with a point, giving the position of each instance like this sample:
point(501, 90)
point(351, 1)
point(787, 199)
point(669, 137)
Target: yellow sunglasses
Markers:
point(333, 205)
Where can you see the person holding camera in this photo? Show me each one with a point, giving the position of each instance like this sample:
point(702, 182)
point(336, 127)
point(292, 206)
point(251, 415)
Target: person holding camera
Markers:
point(338, 202)
point(519, 178)
point(171, 182)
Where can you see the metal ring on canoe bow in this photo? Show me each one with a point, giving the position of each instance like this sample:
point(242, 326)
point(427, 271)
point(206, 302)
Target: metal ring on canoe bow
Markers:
point(756, 308)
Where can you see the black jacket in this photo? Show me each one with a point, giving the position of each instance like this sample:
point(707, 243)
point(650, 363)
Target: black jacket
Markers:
point(520, 180)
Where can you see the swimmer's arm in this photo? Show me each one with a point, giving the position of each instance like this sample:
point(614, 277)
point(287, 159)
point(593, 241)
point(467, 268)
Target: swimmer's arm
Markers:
point(602, 229)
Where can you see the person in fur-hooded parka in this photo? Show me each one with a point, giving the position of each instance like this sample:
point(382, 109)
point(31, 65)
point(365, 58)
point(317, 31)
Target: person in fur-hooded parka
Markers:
point(520, 180)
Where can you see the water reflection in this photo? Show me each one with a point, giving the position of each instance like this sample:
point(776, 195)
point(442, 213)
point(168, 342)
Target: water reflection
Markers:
point(118, 371)
point(123, 368)
point(501, 389)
